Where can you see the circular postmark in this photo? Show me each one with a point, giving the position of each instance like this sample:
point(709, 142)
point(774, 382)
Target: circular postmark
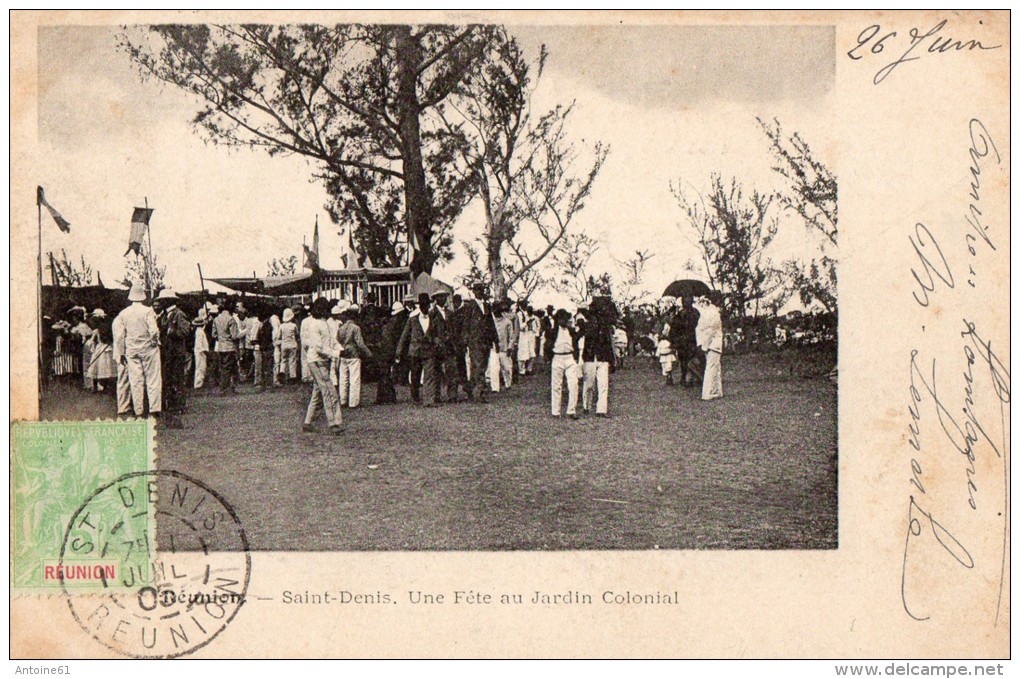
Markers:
point(155, 564)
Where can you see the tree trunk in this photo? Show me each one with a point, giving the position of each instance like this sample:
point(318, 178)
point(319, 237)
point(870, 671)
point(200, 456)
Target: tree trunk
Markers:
point(417, 205)
point(494, 247)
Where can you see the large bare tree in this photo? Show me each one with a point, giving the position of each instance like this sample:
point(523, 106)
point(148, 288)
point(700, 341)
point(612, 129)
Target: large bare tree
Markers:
point(357, 100)
point(812, 195)
point(732, 231)
point(523, 165)
point(570, 264)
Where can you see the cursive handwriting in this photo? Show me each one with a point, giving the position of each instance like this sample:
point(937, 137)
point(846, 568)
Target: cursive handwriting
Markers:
point(930, 42)
point(971, 421)
point(964, 435)
point(996, 368)
point(931, 269)
point(918, 521)
point(981, 145)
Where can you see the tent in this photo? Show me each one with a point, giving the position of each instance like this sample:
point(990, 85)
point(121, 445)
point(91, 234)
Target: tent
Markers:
point(303, 283)
point(426, 283)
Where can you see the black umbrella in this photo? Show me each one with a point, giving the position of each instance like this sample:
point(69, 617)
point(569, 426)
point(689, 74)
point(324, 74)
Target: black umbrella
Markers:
point(687, 287)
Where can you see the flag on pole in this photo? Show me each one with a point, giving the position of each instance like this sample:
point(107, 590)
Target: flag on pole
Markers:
point(348, 249)
point(412, 241)
point(315, 239)
point(62, 223)
point(139, 222)
point(312, 253)
point(311, 261)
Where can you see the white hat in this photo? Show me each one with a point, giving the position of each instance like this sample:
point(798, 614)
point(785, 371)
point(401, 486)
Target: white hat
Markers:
point(341, 306)
point(288, 315)
point(99, 313)
point(354, 307)
point(137, 293)
point(396, 308)
point(214, 308)
point(167, 293)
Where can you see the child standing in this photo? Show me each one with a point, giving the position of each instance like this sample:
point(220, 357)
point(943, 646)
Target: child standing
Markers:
point(288, 347)
point(664, 350)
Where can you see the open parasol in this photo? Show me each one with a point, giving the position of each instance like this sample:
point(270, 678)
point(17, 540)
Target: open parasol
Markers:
point(687, 287)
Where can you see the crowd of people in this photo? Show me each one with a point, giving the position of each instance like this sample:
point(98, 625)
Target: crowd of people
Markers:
point(443, 347)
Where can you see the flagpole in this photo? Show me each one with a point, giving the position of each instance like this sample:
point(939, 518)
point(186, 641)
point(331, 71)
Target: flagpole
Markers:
point(148, 257)
point(38, 309)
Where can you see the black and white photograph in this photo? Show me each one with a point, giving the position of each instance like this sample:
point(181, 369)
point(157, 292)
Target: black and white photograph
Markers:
point(457, 287)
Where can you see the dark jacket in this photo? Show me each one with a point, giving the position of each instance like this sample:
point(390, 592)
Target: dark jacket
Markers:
point(457, 323)
point(416, 343)
point(682, 328)
point(371, 321)
point(390, 337)
point(264, 339)
point(478, 328)
point(174, 331)
point(598, 341)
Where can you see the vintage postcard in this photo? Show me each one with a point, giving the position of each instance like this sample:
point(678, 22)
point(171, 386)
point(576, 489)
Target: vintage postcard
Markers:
point(510, 334)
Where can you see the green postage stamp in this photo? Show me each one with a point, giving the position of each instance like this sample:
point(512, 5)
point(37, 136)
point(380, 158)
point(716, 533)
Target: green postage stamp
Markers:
point(59, 539)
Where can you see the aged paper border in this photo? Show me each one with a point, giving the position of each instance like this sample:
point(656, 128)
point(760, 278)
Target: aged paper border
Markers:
point(841, 603)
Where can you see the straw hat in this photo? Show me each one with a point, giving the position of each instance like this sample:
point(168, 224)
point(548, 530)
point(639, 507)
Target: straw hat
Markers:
point(167, 293)
point(137, 294)
point(99, 313)
point(396, 308)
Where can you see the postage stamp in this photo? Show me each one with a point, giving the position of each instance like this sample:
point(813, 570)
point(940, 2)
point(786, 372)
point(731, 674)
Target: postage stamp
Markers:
point(169, 602)
point(55, 466)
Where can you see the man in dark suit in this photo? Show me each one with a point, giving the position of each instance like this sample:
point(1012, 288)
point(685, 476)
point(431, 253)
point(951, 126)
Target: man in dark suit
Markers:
point(174, 335)
point(457, 363)
point(387, 354)
point(446, 358)
point(479, 332)
point(598, 356)
point(422, 342)
point(685, 345)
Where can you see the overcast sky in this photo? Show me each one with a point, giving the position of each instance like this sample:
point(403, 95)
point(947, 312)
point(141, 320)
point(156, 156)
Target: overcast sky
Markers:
point(672, 102)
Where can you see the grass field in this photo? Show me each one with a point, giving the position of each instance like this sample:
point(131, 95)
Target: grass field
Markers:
point(755, 470)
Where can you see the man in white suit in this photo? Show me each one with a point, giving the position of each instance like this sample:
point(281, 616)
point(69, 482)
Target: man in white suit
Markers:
point(141, 353)
point(709, 335)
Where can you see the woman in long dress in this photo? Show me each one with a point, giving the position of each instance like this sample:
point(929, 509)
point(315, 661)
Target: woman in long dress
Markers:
point(101, 369)
point(63, 356)
point(82, 333)
point(709, 334)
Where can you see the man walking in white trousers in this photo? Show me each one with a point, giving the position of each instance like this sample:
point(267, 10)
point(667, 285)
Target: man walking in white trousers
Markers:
point(564, 365)
point(352, 342)
point(123, 383)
